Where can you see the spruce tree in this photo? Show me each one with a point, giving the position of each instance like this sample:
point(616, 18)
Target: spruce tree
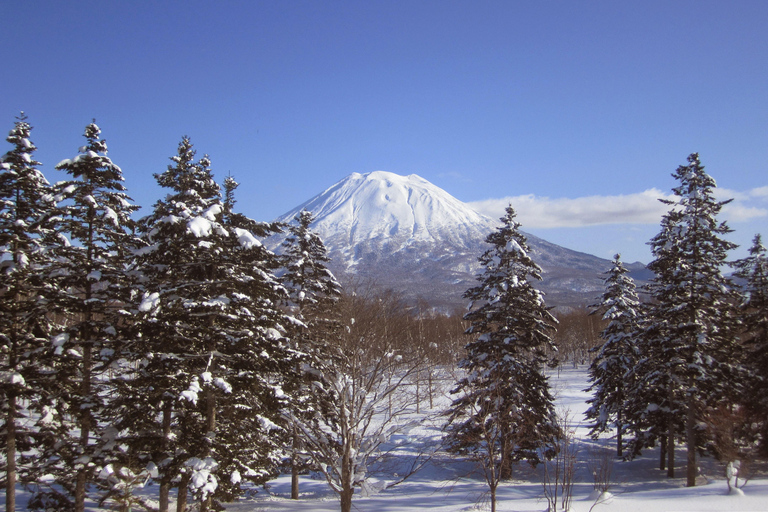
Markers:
point(26, 207)
point(649, 416)
point(90, 274)
point(691, 361)
point(617, 356)
point(309, 282)
point(313, 294)
point(204, 403)
point(505, 411)
point(753, 270)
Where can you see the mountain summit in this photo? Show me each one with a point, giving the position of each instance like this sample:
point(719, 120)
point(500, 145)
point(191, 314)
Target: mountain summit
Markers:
point(404, 233)
point(382, 213)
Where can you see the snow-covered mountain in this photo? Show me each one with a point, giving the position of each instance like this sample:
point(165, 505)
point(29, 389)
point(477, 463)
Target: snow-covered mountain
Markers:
point(404, 233)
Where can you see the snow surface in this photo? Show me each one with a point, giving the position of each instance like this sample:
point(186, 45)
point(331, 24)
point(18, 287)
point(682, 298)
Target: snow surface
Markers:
point(449, 484)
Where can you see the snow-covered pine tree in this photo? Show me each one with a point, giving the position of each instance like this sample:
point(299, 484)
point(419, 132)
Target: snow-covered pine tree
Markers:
point(26, 205)
point(313, 293)
point(691, 344)
point(90, 275)
point(649, 416)
point(311, 286)
point(250, 442)
point(754, 311)
point(618, 354)
point(204, 401)
point(505, 408)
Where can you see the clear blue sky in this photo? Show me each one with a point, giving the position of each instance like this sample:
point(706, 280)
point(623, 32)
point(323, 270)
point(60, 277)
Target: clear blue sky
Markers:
point(547, 103)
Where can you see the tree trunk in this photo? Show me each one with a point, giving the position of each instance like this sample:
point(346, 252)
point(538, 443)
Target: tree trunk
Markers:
point(181, 501)
point(431, 404)
point(663, 457)
point(85, 420)
point(619, 429)
point(345, 500)
point(418, 397)
point(347, 489)
point(671, 449)
point(690, 434)
point(165, 488)
point(347, 476)
point(295, 465)
point(505, 471)
point(210, 413)
point(10, 442)
point(165, 482)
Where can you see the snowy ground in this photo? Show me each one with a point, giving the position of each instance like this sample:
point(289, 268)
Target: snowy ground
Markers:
point(447, 484)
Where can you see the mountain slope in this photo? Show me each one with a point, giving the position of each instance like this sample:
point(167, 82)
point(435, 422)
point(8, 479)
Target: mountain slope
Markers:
point(404, 233)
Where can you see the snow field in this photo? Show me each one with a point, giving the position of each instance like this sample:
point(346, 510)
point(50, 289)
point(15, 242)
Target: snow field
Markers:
point(449, 484)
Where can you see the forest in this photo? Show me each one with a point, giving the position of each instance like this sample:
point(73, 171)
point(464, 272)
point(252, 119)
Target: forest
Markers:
point(175, 348)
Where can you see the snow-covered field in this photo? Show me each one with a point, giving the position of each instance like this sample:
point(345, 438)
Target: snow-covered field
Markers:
point(450, 484)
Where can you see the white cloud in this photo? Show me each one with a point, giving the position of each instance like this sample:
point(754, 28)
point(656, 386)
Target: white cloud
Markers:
point(739, 212)
point(640, 208)
point(545, 212)
point(455, 176)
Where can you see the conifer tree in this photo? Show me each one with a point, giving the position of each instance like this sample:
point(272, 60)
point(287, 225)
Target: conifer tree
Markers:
point(649, 416)
point(313, 293)
point(691, 361)
point(26, 206)
point(505, 411)
point(754, 312)
point(90, 274)
point(309, 282)
point(205, 400)
point(617, 356)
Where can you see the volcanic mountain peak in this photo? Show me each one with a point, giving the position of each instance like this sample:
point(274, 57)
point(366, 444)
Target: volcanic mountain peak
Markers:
point(406, 234)
point(387, 207)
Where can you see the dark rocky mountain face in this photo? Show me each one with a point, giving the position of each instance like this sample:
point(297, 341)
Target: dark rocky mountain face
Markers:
point(405, 234)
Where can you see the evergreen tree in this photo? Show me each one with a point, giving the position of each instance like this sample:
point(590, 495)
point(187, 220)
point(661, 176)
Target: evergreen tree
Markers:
point(313, 294)
point(310, 284)
point(26, 206)
point(754, 312)
point(204, 403)
point(649, 416)
point(505, 411)
point(691, 357)
point(618, 354)
point(90, 274)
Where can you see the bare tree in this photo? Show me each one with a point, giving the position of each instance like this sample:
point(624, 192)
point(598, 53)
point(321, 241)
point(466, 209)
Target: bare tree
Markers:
point(364, 392)
point(558, 477)
point(577, 333)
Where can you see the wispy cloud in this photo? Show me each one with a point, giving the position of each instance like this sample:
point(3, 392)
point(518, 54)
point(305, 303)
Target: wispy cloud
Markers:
point(455, 176)
point(640, 208)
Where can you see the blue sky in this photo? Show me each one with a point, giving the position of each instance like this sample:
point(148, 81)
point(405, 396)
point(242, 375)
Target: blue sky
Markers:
point(577, 112)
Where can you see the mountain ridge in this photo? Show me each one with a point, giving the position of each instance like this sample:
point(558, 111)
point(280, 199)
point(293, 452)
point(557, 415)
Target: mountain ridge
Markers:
point(408, 235)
